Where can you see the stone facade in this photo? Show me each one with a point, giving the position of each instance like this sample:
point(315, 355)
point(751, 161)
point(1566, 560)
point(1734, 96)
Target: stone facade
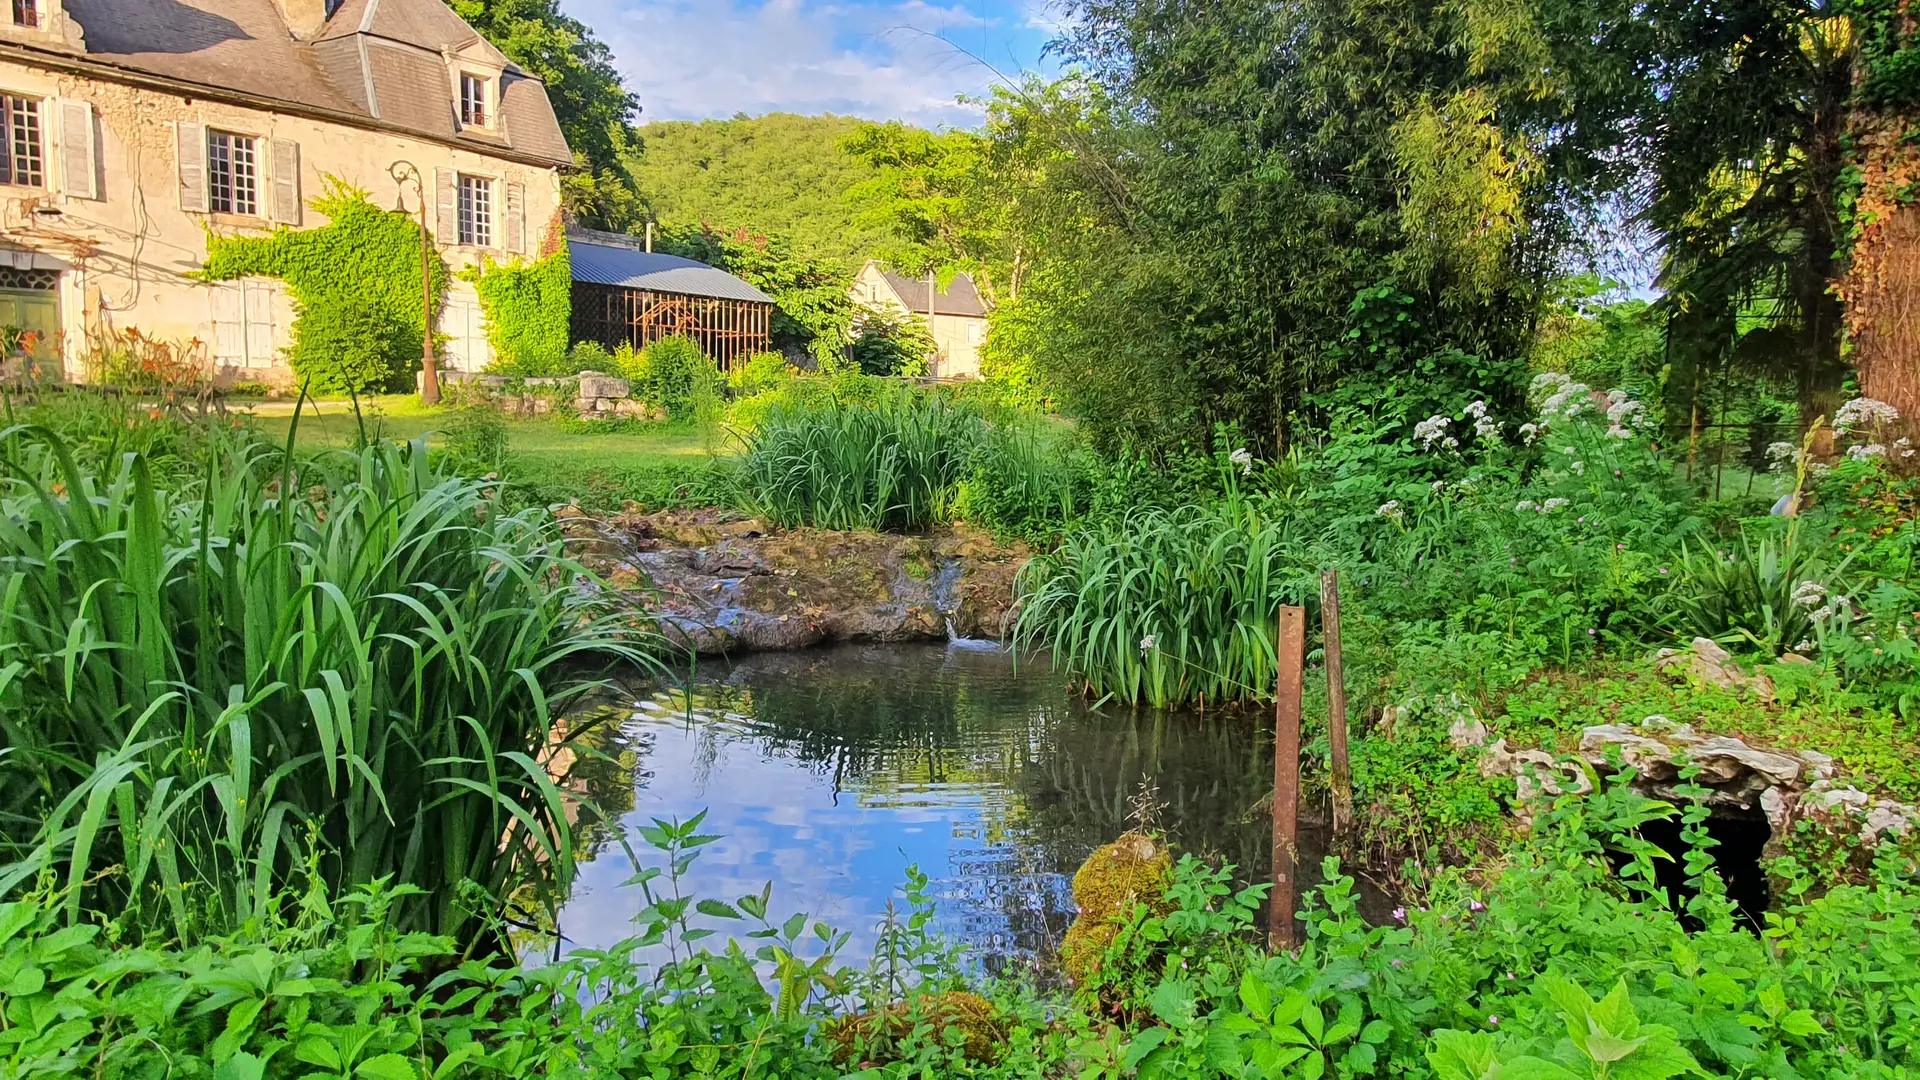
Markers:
point(107, 232)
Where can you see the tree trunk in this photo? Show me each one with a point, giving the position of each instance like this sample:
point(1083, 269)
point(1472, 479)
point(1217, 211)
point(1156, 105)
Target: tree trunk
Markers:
point(1881, 283)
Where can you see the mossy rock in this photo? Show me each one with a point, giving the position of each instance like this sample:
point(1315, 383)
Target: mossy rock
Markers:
point(872, 1036)
point(1134, 869)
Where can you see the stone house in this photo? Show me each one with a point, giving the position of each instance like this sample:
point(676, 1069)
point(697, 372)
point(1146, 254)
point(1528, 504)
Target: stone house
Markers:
point(956, 316)
point(131, 129)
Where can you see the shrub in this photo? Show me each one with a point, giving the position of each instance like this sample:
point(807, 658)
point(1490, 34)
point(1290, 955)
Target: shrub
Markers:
point(761, 372)
point(590, 356)
point(1027, 482)
point(896, 465)
point(888, 342)
point(220, 690)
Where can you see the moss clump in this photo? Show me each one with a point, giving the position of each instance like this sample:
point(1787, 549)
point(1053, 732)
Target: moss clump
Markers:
point(1132, 870)
point(870, 1038)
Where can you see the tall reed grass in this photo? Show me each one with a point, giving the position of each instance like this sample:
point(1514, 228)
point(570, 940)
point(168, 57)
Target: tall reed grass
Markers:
point(1167, 607)
point(322, 672)
point(892, 465)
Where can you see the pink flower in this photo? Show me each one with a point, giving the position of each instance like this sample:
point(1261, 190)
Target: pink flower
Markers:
point(1494, 1020)
point(1400, 913)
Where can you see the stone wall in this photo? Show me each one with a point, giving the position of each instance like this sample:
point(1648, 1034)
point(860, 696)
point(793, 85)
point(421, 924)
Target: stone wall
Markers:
point(589, 395)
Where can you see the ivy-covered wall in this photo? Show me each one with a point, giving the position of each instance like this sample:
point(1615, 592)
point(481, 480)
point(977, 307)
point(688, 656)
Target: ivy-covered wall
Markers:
point(528, 308)
point(356, 289)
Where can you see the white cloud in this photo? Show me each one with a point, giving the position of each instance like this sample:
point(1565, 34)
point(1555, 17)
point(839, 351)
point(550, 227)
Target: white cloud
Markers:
point(881, 59)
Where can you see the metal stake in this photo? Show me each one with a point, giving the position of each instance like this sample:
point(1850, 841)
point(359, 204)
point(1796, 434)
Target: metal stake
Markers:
point(1336, 703)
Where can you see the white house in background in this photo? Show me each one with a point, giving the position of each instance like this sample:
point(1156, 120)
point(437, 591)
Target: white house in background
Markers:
point(130, 128)
point(957, 317)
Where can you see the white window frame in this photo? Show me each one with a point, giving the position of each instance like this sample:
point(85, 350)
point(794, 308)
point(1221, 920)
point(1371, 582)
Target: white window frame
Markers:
point(8, 132)
point(476, 219)
point(252, 173)
point(487, 102)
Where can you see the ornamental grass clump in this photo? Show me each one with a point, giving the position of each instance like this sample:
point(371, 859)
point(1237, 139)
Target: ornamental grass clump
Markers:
point(893, 465)
point(215, 696)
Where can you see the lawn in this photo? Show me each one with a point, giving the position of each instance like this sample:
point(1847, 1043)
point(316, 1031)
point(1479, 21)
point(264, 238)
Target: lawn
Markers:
point(552, 463)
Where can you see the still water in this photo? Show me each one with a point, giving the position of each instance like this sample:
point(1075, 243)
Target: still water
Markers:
point(829, 772)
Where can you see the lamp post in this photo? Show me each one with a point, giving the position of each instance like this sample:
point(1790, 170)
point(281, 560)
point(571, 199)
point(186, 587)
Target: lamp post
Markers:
point(403, 171)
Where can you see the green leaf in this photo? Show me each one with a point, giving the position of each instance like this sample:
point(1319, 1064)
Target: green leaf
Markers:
point(1174, 1003)
point(1312, 1022)
point(317, 1051)
point(1143, 1044)
point(1773, 1001)
point(1802, 1022)
point(1255, 997)
point(1460, 1055)
point(1530, 1068)
point(388, 1067)
point(1376, 1031)
point(1662, 1057)
point(241, 1066)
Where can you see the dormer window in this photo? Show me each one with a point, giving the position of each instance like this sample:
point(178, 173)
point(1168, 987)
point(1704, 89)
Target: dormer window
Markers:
point(475, 101)
point(27, 13)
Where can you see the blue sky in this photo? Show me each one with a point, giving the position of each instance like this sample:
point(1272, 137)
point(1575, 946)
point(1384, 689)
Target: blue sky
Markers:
point(880, 59)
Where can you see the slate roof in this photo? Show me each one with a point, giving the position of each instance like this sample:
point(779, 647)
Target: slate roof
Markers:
point(960, 297)
point(610, 259)
point(379, 59)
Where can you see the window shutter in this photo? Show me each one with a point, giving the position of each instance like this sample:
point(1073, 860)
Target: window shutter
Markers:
point(516, 219)
point(259, 312)
point(192, 140)
point(79, 161)
point(285, 157)
point(446, 188)
point(227, 306)
point(6, 140)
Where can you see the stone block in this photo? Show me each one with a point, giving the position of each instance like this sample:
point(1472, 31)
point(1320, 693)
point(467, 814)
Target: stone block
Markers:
point(603, 386)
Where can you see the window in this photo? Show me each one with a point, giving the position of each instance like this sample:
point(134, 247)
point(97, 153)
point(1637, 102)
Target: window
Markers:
point(976, 332)
point(473, 100)
point(476, 211)
point(20, 161)
point(233, 174)
point(26, 13)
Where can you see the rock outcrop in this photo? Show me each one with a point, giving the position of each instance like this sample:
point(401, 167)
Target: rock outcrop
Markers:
point(718, 583)
point(1785, 785)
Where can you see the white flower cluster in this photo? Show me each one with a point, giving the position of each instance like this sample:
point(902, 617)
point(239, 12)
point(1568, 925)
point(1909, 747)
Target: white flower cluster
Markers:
point(1434, 430)
point(1438, 486)
point(1529, 432)
point(1548, 507)
point(1558, 397)
point(1391, 510)
point(1809, 594)
point(1783, 455)
point(1624, 415)
point(1485, 428)
point(1243, 458)
point(1863, 412)
point(1863, 451)
point(1904, 445)
point(1551, 505)
point(1834, 606)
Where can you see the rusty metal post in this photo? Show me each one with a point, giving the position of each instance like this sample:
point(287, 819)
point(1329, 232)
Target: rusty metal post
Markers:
point(1336, 703)
point(1286, 776)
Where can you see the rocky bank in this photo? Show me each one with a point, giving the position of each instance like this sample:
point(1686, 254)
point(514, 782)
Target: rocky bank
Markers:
point(722, 583)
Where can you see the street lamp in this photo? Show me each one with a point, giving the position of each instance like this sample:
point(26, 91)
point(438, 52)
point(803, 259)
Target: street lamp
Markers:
point(403, 171)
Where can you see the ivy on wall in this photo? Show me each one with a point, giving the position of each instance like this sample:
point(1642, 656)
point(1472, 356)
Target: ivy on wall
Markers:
point(528, 308)
point(356, 289)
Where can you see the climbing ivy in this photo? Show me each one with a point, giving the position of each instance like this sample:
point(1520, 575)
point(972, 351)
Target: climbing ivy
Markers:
point(528, 308)
point(356, 289)
point(1889, 53)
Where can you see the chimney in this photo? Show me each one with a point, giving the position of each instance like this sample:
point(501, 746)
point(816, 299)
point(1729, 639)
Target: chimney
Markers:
point(305, 18)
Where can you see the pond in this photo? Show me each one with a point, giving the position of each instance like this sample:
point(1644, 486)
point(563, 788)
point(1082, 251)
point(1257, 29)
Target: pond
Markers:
point(829, 772)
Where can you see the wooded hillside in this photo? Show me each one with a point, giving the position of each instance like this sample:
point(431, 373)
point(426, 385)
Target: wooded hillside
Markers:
point(780, 174)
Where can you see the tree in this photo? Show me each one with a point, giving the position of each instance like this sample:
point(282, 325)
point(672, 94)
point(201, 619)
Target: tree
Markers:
point(813, 303)
point(595, 109)
point(1747, 153)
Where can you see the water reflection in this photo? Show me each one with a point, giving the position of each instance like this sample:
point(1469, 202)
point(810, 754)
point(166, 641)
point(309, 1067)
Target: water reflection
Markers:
point(829, 772)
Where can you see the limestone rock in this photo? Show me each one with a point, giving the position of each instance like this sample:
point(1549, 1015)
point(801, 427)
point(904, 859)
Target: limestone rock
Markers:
point(1706, 661)
point(603, 386)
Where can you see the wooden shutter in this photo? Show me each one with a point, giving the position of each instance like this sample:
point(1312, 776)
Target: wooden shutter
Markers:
point(259, 311)
point(284, 154)
point(79, 161)
point(516, 219)
point(446, 188)
point(229, 323)
point(192, 142)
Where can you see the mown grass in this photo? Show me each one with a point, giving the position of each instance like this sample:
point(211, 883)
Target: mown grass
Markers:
point(213, 694)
